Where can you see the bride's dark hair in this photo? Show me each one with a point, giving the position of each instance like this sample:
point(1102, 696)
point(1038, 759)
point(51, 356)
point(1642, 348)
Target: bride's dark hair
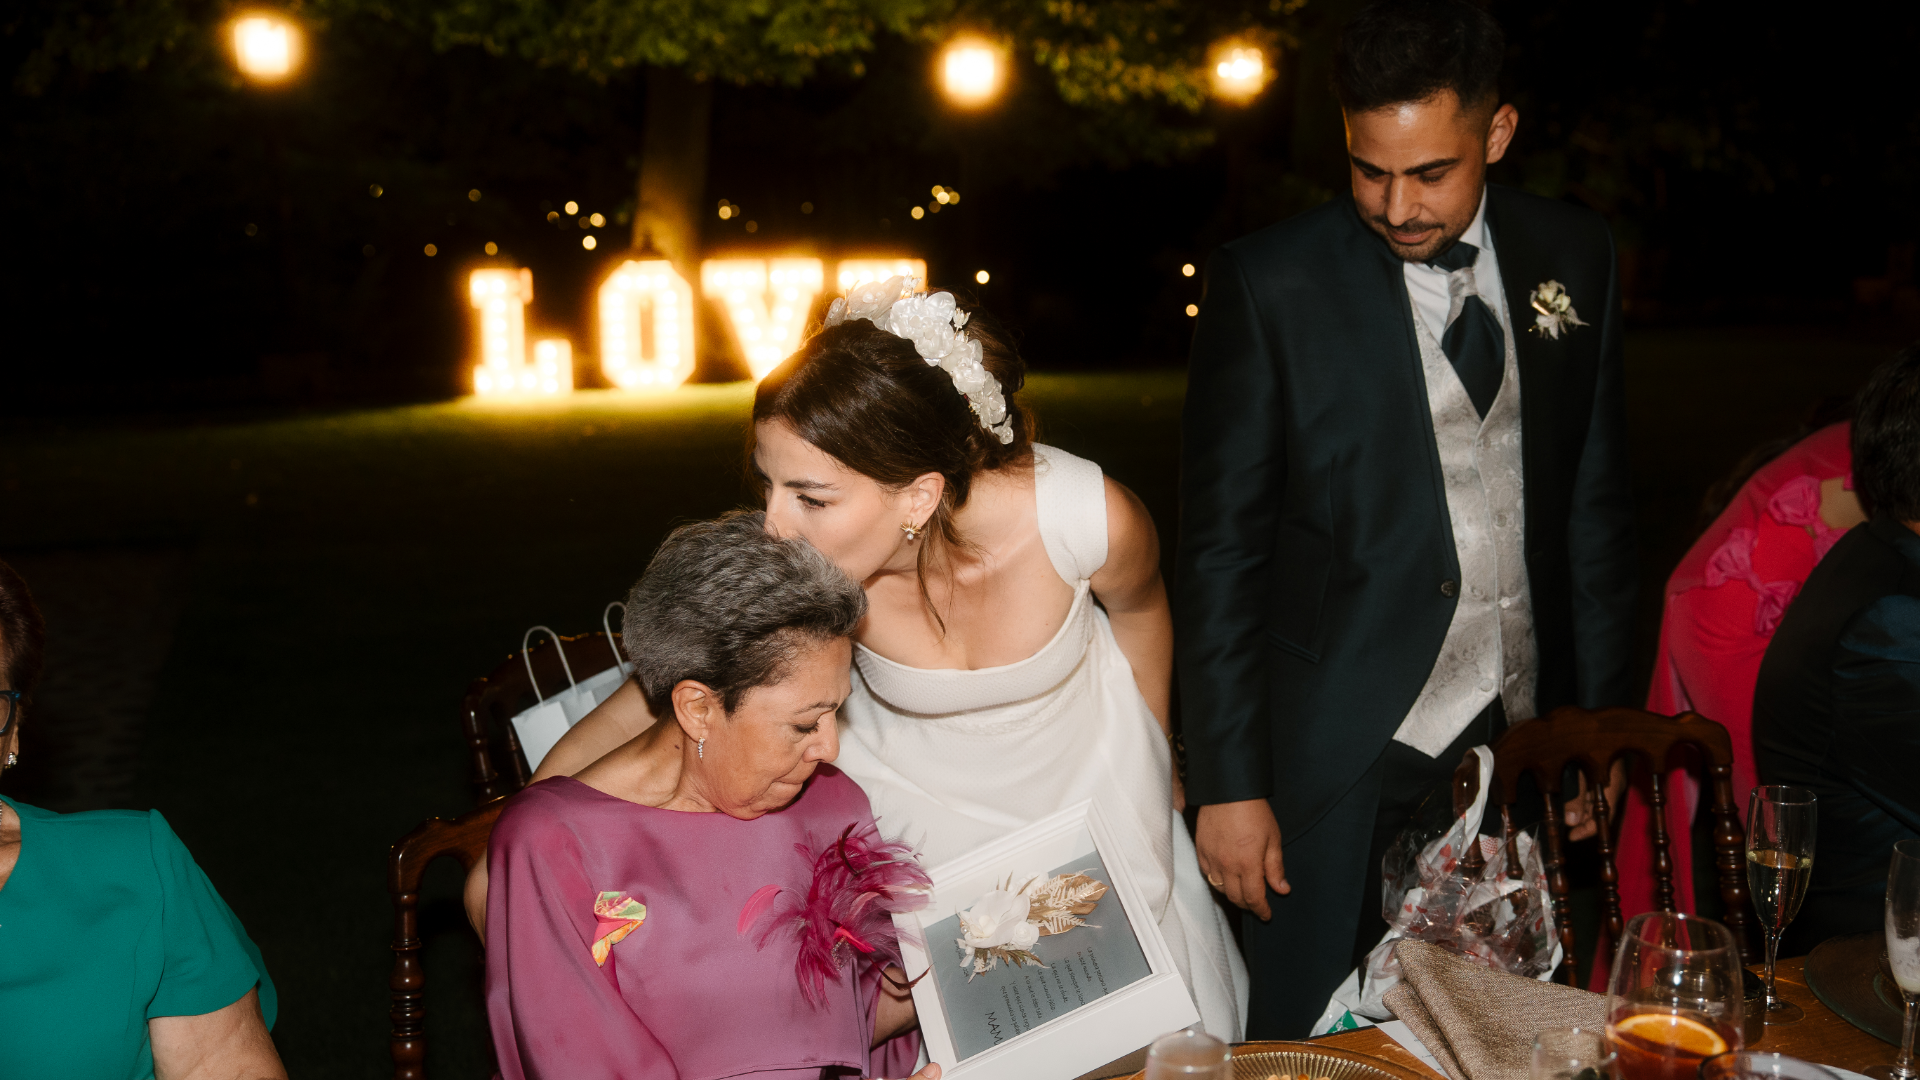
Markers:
point(867, 398)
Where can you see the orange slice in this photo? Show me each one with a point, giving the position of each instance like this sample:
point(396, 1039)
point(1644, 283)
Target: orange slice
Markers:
point(1681, 1032)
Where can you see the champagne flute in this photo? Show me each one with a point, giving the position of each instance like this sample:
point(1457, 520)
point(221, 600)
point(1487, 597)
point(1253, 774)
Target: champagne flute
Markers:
point(1903, 951)
point(1675, 998)
point(1780, 826)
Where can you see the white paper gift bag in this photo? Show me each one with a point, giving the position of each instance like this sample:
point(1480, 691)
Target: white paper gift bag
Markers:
point(540, 727)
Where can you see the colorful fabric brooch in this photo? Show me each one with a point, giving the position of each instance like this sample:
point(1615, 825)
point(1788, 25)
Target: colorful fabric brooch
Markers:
point(859, 882)
point(617, 915)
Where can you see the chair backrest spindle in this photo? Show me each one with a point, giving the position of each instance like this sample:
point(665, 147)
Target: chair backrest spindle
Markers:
point(463, 838)
point(1591, 741)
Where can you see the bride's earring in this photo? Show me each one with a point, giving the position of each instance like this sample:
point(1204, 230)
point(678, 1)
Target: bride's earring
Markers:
point(700, 749)
point(913, 531)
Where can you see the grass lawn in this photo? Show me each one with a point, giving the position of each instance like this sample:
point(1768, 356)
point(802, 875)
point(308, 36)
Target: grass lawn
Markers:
point(343, 576)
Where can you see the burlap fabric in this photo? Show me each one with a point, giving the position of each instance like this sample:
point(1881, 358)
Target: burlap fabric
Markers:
point(1479, 1024)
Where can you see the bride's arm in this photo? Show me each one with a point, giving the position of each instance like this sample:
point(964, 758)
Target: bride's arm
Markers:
point(1130, 587)
point(619, 718)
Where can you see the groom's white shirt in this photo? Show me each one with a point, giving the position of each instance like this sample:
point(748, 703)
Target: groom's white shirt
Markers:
point(1428, 286)
point(1489, 647)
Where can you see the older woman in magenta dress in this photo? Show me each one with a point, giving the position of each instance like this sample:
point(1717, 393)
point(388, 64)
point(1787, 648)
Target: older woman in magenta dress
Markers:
point(1723, 603)
point(712, 898)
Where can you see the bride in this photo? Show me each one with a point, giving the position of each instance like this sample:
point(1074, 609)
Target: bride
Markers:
point(1017, 652)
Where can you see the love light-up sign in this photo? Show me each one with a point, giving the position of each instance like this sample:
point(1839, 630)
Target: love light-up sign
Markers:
point(500, 298)
point(647, 316)
point(767, 301)
point(646, 326)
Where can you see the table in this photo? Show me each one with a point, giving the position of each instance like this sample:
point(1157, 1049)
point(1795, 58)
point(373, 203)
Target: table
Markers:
point(1821, 1037)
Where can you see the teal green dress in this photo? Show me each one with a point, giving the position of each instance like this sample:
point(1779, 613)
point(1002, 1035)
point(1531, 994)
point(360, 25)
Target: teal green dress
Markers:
point(105, 923)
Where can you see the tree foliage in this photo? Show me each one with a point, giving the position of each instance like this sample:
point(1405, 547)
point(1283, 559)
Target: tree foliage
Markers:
point(740, 41)
point(1130, 59)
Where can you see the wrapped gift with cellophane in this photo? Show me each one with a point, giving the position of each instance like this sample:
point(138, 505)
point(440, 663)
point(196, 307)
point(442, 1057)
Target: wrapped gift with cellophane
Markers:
point(1444, 882)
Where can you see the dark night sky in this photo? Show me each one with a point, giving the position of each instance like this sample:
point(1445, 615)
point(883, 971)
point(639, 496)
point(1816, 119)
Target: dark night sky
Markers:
point(1753, 166)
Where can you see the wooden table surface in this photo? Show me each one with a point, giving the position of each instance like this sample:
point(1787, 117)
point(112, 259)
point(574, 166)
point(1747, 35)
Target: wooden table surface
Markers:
point(1821, 1036)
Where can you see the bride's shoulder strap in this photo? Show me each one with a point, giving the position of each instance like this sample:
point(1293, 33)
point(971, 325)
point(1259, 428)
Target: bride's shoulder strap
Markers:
point(1070, 494)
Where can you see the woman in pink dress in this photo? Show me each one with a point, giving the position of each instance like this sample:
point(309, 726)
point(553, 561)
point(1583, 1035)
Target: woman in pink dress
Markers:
point(1722, 605)
point(711, 898)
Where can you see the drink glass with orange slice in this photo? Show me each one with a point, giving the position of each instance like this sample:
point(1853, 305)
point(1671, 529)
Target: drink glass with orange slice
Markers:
point(1675, 998)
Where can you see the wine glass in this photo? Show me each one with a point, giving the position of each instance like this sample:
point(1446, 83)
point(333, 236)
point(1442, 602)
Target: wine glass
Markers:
point(1190, 1054)
point(1571, 1053)
point(1903, 951)
point(1675, 998)
point(1780, 825)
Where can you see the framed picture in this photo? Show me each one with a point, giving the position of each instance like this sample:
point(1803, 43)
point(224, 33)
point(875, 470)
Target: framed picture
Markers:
point(1054, 1006)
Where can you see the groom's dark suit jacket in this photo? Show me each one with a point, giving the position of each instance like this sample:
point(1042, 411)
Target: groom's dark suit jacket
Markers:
point(1317, 573)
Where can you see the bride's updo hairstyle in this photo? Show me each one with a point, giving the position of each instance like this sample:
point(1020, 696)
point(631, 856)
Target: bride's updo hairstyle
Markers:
point(866, 397)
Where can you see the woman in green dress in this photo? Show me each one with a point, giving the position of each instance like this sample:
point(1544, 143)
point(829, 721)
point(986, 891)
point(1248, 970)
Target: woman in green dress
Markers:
point(118, 960)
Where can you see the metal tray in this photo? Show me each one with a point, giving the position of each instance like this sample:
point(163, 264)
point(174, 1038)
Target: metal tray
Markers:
point(1260, 1060)
point(1850, 975)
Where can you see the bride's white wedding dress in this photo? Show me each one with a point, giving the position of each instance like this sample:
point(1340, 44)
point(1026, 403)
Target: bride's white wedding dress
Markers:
point(954, 759)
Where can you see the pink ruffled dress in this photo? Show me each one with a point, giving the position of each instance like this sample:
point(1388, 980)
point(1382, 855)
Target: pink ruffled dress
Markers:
point(1723, 603)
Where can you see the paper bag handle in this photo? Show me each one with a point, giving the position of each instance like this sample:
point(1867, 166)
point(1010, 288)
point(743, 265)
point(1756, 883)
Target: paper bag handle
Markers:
point(527, 658)
point(618, 660)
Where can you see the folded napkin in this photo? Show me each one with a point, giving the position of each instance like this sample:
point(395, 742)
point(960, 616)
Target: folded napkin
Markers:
point(1479, 1023)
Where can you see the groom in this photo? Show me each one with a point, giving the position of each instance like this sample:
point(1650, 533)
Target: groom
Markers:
point(1405, 510)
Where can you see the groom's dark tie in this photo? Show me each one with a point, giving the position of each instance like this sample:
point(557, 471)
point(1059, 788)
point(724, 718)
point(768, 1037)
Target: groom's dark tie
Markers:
point(1473, 341)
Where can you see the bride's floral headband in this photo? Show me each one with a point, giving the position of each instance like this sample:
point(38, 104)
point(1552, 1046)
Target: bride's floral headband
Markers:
point(937, 331)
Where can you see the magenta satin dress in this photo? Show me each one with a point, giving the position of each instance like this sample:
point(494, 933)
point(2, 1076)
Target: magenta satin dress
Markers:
point(684, 991)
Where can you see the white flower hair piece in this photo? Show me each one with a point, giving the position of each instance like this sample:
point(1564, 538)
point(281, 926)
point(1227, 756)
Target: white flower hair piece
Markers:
point(938, 332)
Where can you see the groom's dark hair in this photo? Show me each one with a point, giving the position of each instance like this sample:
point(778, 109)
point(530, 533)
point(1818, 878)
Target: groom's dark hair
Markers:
point(1396, 51)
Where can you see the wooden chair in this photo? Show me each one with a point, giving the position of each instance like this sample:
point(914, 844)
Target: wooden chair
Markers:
point(463, 838)
point(497, 764)
point(1590, 741)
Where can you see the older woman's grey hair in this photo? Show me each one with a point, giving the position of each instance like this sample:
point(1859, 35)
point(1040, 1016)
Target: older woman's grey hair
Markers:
point(727, 604)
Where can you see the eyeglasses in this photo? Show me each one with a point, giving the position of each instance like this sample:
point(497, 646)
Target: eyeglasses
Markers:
point(11, 701)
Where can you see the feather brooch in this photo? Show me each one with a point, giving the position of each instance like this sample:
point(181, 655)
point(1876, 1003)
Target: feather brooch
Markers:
point(859, 882)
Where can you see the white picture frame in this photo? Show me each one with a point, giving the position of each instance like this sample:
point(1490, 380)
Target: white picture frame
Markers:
point(1089, 1035)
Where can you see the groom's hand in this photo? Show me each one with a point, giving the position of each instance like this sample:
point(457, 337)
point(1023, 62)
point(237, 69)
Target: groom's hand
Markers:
point(1239, 845)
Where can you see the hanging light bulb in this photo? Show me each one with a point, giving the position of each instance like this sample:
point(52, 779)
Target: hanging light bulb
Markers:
point(266, 46)
point(1239, 71)
point(970, 72)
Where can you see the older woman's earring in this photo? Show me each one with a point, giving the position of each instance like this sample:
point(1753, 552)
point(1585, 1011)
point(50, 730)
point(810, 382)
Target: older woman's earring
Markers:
point(12, 760)
point(913, 531)
point(700, 749)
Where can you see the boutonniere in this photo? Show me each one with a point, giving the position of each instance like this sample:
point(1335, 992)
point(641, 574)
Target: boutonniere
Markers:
point(1007, 922)
point(1555, 309)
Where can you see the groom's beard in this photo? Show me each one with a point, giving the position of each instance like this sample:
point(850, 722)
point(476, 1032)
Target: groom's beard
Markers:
point(1440, 240)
